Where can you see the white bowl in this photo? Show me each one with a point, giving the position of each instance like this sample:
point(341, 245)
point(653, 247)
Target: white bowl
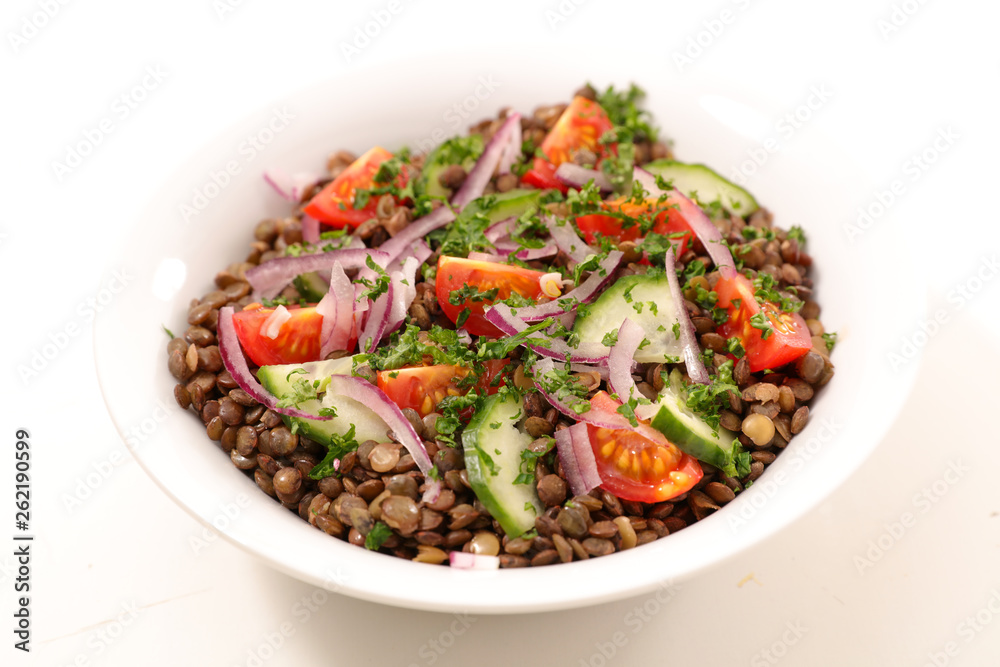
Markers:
point(807, 182)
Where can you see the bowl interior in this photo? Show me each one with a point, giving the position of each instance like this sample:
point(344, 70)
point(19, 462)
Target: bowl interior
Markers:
point(203, 219)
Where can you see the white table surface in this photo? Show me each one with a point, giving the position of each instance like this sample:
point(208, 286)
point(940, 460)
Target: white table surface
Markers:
point(125, 577)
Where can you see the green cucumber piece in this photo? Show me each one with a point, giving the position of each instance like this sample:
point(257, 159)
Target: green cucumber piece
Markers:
point(503, 205)
point(279, 379)
point(690, 432)
point(493, 442)
point(704, 185)
point(646, 300)
point(463, 151)
point(311, 287)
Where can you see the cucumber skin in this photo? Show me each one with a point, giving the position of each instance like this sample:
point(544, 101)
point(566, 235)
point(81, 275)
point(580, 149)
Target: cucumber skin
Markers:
point(677, 433)
point(658, 167)
point(310, 286)
point(514, 526)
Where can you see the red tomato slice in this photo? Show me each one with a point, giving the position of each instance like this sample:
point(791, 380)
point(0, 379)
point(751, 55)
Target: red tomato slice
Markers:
point(423, 387)
point(639, 463)
point(455, 272)
point(579, 127)
point(790, 337)
point(334, 204)
point(668, 221)
point(298, 339)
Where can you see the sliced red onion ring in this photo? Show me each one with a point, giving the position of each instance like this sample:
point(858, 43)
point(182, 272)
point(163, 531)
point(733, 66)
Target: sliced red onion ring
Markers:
point(461, 560)
point(707, 232)
point(505, 246)
point(512, 149)
point(576, 176)
point(415, 231)
point(544, 366)
point(374, 398)
point(404, 292)
point(377, 321)
point(419, 250)
point(486, 257)
point(475, 183)
point(432, 492)
point(236, 364)
point(587, 368)
point(630, 336)
point(692, 352)
point(269, 278)
point(577, 457)
point(310, 229)
point(568, 240)
point(271, 327)
point(499, 230)
point(337, 308)
point(502, 318)
point(290, 187)
point(585, 293)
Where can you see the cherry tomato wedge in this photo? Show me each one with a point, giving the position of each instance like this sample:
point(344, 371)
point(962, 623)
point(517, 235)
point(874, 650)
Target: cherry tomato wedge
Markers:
point(639, 463)
point(334, 204)
point(454, 273)
point(579, 128)
point(297, 341)
point(423, 387)
point(788, 340)
point(668, 221)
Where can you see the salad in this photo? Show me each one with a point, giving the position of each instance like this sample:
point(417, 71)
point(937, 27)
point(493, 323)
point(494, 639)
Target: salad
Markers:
point(544, 341)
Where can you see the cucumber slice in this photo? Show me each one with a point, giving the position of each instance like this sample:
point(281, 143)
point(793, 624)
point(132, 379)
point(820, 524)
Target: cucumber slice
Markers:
point(647, 301)
point(457, 150)
point(311, 287)
point(503, 205)
point(279, 381)
point(704, 185)
point(690, 432)
point(493, 442)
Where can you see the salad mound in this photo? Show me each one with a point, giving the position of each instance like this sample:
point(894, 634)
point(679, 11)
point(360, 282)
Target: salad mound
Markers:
point(544, 341)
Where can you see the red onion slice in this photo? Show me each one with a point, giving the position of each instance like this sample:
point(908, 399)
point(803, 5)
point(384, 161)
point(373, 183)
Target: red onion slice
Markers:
point(462, 560)
point(236, 364)
point(377, 321)
point(269, 278)
point(418, 249)
point(577, 457)
point(586, 292)
point(374, 398)
point(630, 336)
point(568, 240)
point(499, 230)
point(707, 232)
point(544, 366)
point(576, 176)
point(310, 229)
point(512, 150)
point(502, 318)
point(416, 231)
point(692, 351)
point(475, 183)
point(486, 257)
point(271, 327)
point(505, 246)
point(337, 308)
point(290, 187)
point(404, 292)
point(432, 492)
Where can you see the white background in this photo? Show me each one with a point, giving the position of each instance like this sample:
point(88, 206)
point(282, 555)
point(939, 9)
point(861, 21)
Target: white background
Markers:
point(117, 579)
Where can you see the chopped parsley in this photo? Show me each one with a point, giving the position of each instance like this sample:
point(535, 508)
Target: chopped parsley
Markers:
point(735, 347)
point(170, 334)
point(798, 234)
point(622, 107)
point(761, 323)
point(529, 458)
point(340, 446)
point(377, 536)
point(708, 399)
point(831, 340)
